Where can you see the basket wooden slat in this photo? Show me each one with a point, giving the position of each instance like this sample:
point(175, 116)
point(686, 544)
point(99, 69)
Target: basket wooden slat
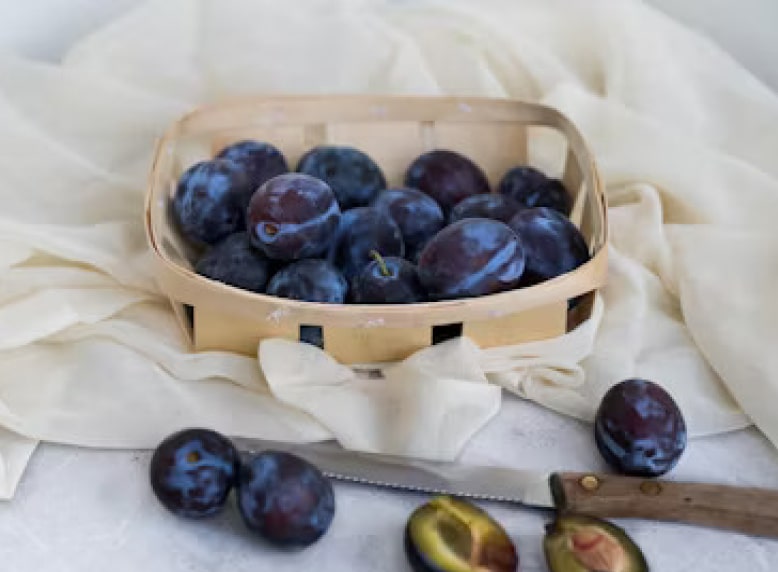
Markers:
point(394, 131)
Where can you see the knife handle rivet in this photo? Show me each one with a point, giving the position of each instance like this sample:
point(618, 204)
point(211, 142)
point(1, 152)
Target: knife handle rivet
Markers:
point(589, 483)
point(650, 488)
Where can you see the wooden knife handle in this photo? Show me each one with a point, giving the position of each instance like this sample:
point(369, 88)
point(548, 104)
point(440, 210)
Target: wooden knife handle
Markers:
point(748, 510)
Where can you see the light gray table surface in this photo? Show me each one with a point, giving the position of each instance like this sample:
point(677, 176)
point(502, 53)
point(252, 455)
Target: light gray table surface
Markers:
point(85, 510)
point(90, 511)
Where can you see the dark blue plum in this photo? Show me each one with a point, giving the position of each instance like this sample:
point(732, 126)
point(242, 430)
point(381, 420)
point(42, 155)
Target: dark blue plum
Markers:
point(446, 176)
point(416, 213)
point(208, 202)
point(235, 262)
point(639, 429)
point(310, 280)
point(285, 499)
point(351, 174)
point(192, 472)
point(389, 280)
point(495, 207)
point(472, 257)
point(531, 188)
point(261, 162)
point(552, 243)
point(293, 216)
point(361, 231)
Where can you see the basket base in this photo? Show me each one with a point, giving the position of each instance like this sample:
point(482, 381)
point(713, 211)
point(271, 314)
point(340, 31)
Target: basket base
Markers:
point(216, 330)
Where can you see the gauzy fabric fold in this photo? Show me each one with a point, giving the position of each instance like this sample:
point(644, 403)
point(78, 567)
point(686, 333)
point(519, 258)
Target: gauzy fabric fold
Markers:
point(686, 141)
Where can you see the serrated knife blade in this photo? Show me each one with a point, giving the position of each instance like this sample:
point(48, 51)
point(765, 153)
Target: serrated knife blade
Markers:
point(748, 510)
point(529, 488)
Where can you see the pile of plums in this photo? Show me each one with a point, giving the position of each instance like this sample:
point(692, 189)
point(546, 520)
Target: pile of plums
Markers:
point(280, 497)
point(639, 430)
point(332, 232)
point(288, 502)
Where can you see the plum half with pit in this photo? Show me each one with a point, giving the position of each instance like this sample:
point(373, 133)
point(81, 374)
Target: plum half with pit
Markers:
point(446, 176)
point(579, 543)
point(553, 244)
point(416, 213)
point(639, 429)
point(389, 280)
point(293, 216)
point(192, 472)
point(235, 262)
point(351, 174)
point(261, 162)
point(472, 257)
point(493, 206)
point(209, 201)
point(532, 188)
point(285, 499)
point(363, 230)
point(310, 280)
point(448, 534)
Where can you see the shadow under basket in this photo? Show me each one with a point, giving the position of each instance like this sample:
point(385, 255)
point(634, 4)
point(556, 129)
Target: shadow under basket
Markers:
point(497, 134)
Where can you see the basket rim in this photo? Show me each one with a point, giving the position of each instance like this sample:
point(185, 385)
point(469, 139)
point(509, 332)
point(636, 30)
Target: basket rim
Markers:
point(253, 100)
point(186, 286)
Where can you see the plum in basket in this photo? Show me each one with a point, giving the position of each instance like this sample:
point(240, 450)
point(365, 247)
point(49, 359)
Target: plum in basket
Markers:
point(493, 206)
point(261, 162)
point(235, 262)
point(293, 216)
point(209, 201)
point(310, 280)
point(446, 176)
point(351, 174)
point(389, 280)
point(416, 213)
point(363, 230)
point(532, 188)
point(552, 243)
point(472, 257)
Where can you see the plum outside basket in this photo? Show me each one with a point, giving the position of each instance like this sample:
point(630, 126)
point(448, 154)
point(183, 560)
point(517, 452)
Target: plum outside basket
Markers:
point(496, 133)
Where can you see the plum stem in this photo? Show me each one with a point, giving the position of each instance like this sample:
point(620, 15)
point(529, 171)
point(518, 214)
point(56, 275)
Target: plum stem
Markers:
point(381, 262)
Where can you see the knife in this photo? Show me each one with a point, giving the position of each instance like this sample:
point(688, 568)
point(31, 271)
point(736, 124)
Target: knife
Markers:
point(750, 511)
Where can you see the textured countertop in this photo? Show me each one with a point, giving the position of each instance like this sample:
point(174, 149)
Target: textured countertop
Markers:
point(87, 510)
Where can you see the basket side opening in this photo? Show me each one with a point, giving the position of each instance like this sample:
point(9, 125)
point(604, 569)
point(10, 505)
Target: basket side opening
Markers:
point(446, 332)
point(313, 335)
point(189, 316)
point(579, 309)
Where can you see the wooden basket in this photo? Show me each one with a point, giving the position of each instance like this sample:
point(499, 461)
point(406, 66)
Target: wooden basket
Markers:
point(496, 134)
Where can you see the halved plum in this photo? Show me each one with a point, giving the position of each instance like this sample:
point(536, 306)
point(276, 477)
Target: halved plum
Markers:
point(579, 543)
point(448, 534)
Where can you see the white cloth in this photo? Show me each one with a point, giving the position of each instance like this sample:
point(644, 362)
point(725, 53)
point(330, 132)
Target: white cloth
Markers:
point(412, 410)
point(686, 141)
